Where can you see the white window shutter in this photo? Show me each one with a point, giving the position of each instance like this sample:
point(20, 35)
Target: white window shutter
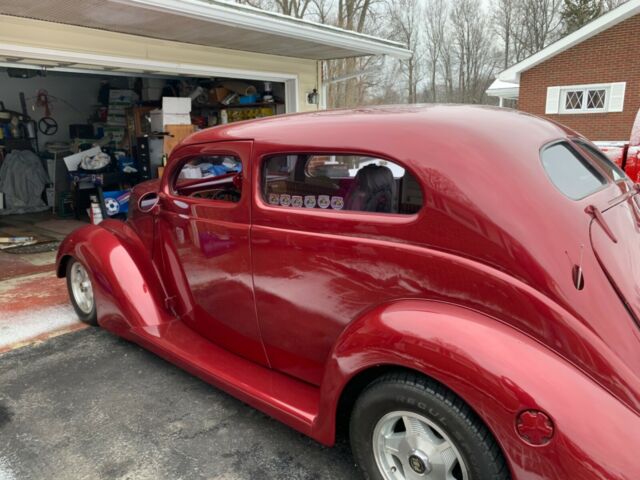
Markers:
point(616, 96)
point(553, 100)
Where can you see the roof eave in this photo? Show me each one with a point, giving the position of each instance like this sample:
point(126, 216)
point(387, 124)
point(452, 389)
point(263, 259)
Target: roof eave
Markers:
point(242, 16)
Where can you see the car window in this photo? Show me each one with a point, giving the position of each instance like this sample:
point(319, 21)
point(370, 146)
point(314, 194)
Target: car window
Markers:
point(603, 161)
point(210, 177)
point(569, 172)
point(340, 182)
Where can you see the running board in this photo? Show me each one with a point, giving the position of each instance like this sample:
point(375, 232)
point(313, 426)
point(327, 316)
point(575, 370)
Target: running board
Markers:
point(289, 400)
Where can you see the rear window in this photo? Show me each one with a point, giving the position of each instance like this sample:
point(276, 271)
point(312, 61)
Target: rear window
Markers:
point(569, 172)
point(603, 161)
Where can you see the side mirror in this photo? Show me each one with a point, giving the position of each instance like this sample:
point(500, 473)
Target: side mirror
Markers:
point(148, 201)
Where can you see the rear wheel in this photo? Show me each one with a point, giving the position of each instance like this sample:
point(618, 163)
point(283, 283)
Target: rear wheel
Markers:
point(404, 426)
point(81, 291)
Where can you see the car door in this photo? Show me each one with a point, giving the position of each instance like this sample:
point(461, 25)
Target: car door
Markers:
point(323, 253)
point(203, 227)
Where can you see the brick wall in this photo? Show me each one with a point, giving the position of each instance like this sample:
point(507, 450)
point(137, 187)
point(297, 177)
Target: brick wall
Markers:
point(611, 56)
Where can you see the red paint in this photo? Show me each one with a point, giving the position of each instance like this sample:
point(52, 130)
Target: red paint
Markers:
point(283, 307)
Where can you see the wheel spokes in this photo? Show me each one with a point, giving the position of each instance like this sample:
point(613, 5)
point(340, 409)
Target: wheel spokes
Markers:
point(395, 443)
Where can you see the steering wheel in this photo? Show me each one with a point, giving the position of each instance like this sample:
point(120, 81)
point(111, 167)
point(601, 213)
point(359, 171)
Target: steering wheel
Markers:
point(47, 126)
point(227, 194)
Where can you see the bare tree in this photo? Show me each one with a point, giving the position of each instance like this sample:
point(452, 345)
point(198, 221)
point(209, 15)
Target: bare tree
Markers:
point(436, 13)
point(293, 8)
point(404, 21)
point(503, 19)
point(611, 4)
point(540, 22)
point(472, 50)
point(355, 15)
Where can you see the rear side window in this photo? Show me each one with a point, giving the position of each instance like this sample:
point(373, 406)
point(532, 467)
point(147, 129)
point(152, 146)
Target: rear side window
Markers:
point(603, 162)
point(569, 172)
point(340, 182)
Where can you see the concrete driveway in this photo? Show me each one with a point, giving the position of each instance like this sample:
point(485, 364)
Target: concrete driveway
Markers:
point(87, 405)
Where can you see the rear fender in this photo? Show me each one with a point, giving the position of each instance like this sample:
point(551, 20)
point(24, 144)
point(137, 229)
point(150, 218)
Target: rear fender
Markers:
point(128, 290)
point(499, 372)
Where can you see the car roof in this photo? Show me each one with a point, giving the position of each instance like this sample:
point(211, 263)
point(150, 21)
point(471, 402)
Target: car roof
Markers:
point(345, 127)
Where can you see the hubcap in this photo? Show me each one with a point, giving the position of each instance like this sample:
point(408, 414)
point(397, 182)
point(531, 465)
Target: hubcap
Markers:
point(410, 446)
point(81, 288)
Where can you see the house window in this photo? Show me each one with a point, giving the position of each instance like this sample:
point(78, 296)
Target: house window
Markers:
point(594, 98)
point(585, 100)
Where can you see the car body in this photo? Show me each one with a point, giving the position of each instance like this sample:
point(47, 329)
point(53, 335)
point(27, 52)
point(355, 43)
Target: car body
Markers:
point(625, 154)
point(520, 300)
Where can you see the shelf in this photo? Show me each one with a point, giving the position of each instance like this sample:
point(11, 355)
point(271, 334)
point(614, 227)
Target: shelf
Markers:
point(219, 106)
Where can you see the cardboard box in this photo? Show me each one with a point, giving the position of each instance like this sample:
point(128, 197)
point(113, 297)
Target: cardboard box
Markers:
point(216, 95)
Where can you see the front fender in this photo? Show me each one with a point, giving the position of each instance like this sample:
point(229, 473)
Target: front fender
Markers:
point(499, 372)
point(127, 288)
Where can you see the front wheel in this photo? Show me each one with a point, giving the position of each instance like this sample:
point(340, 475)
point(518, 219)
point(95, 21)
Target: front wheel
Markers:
point(405, 426)
point(81, 292)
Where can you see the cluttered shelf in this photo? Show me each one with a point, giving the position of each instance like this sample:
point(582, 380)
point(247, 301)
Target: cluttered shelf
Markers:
point(221, 106)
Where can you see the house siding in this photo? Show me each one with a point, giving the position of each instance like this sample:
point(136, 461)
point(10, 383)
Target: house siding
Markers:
point(610, 56)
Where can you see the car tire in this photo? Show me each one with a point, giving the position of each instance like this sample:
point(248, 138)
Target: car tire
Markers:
point(430, 415)
point(80, 288)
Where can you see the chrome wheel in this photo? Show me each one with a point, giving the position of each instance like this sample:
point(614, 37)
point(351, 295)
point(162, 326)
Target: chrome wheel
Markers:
point(409, 446)
point(81, 288)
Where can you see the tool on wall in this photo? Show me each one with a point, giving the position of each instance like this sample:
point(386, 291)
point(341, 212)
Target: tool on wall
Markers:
point(47, 124)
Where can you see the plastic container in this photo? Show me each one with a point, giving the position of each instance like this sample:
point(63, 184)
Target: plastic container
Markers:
point(246, 99)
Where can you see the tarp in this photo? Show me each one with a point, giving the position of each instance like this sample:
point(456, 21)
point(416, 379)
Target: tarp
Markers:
point(22, 180)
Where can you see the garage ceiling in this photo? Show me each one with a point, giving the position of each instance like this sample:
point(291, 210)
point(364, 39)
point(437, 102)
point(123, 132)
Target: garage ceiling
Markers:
point(214, 23)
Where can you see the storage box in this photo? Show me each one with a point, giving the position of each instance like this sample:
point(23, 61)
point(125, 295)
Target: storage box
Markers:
point(247, 99)
point(116, 202)
point(119, 101)
point(173, 105)
point(159, 119)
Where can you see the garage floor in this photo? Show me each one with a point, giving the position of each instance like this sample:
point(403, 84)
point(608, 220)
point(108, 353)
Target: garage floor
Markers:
point(88, 405)
point(33, 302)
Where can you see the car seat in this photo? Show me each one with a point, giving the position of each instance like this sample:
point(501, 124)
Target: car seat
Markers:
point(373, 190)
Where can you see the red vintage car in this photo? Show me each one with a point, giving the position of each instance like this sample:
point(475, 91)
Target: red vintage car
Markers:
point(456, 287)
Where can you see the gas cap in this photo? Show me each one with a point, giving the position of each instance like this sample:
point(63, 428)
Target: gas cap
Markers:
point(535, 427)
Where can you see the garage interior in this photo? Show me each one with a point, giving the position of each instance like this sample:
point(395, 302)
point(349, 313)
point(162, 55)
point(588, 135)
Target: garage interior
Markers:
point(72, 145)
point(102, 132)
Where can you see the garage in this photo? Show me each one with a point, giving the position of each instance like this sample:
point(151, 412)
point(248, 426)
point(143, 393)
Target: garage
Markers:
point(94, 95)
